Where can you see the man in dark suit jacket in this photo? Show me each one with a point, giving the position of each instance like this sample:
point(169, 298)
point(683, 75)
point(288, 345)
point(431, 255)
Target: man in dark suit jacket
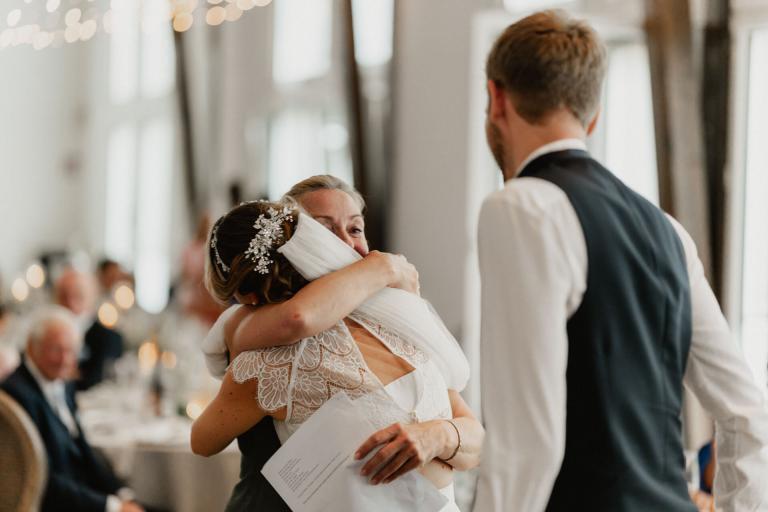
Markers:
point(103, 346)
point(78, 480)
point(76, 292)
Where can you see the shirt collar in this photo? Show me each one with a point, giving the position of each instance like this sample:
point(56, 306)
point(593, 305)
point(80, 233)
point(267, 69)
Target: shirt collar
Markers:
point(551, 147)
point(47, 386)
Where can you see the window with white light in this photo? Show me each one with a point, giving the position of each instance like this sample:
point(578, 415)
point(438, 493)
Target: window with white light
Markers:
point(123, 57)
point(157, 51)
point(629, 147)
point(121, 181)
point(141, 146)
point(373, 23)
point(302, 44)
point(153, 221)
point(303, 144)
point(754, 282)
point(307, 131)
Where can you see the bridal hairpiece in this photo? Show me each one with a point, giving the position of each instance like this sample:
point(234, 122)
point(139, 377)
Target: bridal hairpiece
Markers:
point(214, 246)
point(269, 230)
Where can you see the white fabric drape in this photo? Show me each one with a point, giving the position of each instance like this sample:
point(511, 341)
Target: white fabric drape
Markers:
point(314, 251)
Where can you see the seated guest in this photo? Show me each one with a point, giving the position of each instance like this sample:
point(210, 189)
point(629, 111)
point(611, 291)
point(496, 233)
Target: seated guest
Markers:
point(76, 292)
point(78, 479)
point(109, 273)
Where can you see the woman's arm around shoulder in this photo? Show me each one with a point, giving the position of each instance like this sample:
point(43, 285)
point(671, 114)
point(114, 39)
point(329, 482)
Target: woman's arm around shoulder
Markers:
point(321, 303)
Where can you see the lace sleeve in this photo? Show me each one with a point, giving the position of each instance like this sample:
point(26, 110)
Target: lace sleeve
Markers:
point(273, 369)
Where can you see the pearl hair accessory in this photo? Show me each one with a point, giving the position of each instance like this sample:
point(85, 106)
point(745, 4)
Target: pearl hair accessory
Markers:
point(214, 246)
point(269, 230)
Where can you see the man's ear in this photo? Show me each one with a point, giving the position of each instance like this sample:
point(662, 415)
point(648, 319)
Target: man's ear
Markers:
point(496, 101)
point(593, 123)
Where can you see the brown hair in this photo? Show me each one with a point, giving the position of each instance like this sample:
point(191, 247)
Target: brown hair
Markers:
point(234, 232)
point(546, 61)
point(324, 182)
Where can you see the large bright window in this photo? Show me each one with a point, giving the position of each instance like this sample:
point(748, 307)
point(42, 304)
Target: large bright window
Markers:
point(308, 132)
point(302, 46)
point(754, 299)
point(140, 140)
point(629, 147)
point(373, 21)
point(302, 144)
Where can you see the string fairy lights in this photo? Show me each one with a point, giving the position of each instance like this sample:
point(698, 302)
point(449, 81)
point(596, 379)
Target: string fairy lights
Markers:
point(53, 23)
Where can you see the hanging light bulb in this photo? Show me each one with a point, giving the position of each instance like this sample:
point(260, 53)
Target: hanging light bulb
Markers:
point(124, 296)
point(182, 22)
point(215, 15)
point(20, 290)
point(35, 276)
point(108, 315)
point(233, 12)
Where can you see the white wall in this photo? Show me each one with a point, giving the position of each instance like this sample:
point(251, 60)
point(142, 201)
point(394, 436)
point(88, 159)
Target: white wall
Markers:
point(40, 143)
point(431, 137)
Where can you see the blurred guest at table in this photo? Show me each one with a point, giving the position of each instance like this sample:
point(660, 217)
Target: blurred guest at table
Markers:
point(9, 356)
point(76, 291)
point(78, 479)
point(109, 273)
point(193, 297)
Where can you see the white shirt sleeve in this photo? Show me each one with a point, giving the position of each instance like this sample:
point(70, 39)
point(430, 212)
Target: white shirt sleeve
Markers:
point(721, 379)
point(113, 504)
point(533, 273)
point(214, 347)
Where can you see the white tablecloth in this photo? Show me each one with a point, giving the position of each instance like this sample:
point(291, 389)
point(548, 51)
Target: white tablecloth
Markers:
point(152, 453)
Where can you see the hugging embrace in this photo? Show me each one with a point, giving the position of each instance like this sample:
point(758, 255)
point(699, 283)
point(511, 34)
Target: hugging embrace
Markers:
point(595, 313)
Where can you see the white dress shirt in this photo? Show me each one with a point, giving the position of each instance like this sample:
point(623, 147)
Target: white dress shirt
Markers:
point(55, 393)
point(533, 265)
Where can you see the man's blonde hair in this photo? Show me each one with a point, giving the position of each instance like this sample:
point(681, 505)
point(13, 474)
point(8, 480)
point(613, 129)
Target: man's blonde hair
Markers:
point(547, 61)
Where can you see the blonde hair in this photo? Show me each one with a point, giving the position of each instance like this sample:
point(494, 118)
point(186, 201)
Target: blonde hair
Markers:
point(546, 61)
point(233, 234)
point(324, 182)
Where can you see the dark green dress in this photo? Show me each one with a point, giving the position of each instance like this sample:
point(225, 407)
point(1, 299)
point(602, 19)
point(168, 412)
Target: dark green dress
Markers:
point(253, 493)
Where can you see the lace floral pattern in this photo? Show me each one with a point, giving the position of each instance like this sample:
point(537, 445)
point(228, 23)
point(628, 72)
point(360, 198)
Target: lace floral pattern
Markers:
point(303, 376)
point(396, 345)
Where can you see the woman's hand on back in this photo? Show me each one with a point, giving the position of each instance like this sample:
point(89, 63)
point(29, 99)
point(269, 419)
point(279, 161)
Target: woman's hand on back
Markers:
point(403, 274)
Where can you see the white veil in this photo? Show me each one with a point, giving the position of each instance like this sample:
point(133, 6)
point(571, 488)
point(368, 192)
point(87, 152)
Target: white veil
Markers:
point(314, 251)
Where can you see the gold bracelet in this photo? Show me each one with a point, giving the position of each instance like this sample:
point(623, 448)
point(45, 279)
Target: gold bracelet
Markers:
point(458, 445)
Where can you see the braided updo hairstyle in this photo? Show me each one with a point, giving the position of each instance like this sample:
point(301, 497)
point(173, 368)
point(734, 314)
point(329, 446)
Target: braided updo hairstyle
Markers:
point(231, 236)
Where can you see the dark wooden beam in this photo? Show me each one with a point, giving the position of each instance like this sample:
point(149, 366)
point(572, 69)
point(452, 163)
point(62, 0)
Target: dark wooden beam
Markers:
point(185, 125)
point(356, 121)
point(715, 103)
point(676, 90)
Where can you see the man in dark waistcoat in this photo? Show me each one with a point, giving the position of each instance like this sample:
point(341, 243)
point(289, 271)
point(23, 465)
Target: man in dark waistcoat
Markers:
point(596, 310)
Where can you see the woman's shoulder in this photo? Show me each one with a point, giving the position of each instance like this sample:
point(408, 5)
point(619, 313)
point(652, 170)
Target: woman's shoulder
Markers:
point(271, 371)
point(254, 364)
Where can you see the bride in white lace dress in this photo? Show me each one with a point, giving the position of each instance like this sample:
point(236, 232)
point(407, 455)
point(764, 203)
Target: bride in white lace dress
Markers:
point(391, 354)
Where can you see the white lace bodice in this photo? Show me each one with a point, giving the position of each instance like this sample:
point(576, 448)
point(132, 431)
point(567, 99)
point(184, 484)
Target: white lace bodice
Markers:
point(303, 376)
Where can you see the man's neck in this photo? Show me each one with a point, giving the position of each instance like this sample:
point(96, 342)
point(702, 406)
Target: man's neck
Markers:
point(528, 140)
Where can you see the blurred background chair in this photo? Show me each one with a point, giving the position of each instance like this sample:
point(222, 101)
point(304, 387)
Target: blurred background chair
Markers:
point(22, 459)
